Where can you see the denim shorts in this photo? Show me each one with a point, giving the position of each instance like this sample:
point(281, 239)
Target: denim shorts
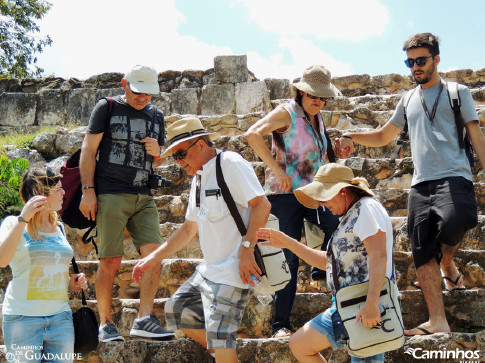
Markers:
point(39, 338)
point(203, 304)
point(329, 324)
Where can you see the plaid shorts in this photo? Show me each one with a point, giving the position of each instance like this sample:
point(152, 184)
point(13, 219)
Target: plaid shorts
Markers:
point(203, 304)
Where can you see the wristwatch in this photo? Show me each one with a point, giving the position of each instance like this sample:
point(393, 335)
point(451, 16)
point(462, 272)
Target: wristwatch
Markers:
point(21, 219)
point(248, 244)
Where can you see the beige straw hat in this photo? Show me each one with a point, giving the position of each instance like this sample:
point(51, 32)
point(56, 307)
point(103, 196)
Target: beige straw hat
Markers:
point(327, 182)
point(183, 130)
point(316, 81)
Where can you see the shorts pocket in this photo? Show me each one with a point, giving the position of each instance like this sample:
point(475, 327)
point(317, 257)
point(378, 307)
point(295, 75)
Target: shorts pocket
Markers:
point(12, 318)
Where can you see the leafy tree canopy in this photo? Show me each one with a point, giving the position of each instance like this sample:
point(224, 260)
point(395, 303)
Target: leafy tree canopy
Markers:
point(18, 41)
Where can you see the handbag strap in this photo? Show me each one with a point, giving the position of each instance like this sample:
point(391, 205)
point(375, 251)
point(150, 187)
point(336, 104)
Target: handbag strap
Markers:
point(226, 194)
point(76, 271)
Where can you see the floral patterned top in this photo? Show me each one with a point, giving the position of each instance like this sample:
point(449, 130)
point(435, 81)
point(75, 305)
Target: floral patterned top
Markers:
point(364, 219)
point(304, 151)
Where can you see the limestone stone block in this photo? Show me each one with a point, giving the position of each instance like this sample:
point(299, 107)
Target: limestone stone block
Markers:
point(217, 99)
point(252, 97)
point(80, 105)
point(231, 68)
point(68, 143)
point(278, 88)
point(17, 109)
point(163, 101)
point(52, 108)
point(109, 92)
point(33, 156)
point(45, 144)
point(185, 101)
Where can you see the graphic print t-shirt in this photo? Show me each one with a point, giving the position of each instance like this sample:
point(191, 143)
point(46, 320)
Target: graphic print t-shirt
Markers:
point(40, 270)
point(123, 165)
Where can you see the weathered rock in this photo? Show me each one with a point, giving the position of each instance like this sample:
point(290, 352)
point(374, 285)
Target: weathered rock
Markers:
point(51, 109)
point(33, 156)
point(231, 68)
point(251, 97)
point(278, 88)
point(185, 101)
point(80, 104)
point(17, 109)
point(217, 99)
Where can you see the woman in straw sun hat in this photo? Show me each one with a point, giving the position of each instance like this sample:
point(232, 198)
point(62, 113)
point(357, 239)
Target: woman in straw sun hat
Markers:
point(362, 245)
point(300, 146)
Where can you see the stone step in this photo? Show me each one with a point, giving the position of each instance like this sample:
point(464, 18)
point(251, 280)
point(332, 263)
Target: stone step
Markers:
point(268, 350)
point(471, 263)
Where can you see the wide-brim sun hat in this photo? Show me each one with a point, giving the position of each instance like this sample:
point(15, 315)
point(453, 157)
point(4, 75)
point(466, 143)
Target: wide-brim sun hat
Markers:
point(185, 129)
point(143, 79)
point(316, 81)
point(328, 181)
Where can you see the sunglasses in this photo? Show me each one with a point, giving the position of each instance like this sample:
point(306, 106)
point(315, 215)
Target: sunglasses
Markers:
point(316, 97)
point(420, 61)
point(138, 93)
point(182, 154)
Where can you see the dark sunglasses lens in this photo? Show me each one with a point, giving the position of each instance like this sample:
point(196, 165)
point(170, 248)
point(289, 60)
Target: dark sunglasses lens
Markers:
point(311, 96)
point(179, 155)
point(421, 61)
point(409, 62)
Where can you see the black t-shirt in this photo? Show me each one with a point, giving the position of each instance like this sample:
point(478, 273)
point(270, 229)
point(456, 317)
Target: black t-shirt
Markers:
point(123, 165)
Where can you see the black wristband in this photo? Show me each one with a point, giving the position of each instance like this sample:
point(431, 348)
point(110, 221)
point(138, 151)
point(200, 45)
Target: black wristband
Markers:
point(84, 188)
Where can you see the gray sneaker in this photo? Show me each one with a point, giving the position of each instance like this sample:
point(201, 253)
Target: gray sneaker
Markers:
point(108, 333)
point(150, 327)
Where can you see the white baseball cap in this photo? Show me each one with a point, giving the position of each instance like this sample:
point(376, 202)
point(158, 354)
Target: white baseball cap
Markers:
point(143, 79)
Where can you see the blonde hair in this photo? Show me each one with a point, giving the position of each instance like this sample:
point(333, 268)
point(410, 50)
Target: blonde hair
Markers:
point(38, 181)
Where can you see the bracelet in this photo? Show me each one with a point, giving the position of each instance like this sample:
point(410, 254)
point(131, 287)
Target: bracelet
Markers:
point(158, 157)
point(84, 188)
point(347, 136)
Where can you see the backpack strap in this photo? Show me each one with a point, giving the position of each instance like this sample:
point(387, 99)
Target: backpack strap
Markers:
point(404, 132)
point(455, 103)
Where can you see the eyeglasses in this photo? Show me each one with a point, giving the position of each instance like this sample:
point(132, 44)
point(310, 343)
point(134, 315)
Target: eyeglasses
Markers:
point(182, 154)
point(316, 98)
point(420, 61)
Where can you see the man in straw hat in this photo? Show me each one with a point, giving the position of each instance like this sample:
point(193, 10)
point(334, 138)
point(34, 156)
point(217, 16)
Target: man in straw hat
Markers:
point(300, 146)
point(361, 244)
point(441, 203)
point(127, 136)
point(209, 306)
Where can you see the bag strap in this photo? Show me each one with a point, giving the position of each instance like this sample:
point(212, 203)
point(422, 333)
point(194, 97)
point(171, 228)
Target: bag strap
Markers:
point(330, 152)
point(455, 103)
point(226, 194)
point(404, 132)
point(74, 265)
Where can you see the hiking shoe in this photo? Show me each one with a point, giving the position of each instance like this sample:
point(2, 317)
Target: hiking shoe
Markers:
point(150, 327)
point(108, 333)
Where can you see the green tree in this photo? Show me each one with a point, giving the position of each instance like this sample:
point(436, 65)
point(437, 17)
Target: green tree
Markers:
point(10, 179)
point(19, 42)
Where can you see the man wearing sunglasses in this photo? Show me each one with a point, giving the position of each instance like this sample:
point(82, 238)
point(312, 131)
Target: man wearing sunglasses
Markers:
point(125, 133)
point(441, 203)
point(209, 306)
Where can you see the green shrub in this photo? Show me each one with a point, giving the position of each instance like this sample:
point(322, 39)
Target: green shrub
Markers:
point(10, 177)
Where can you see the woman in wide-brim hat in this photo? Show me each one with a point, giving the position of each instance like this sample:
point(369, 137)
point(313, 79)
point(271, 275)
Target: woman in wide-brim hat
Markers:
point(300, 146)
point(361, 244)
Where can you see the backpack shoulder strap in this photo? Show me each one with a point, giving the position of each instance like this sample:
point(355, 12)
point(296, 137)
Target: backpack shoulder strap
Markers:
point(404, 132)
point(453, 95)
point(226, 194)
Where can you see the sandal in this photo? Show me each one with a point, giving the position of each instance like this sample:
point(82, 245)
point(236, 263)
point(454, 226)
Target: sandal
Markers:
point(282, 333)
point(455, 282)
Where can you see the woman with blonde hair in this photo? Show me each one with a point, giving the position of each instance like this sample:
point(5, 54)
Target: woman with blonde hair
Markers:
point(37, 319)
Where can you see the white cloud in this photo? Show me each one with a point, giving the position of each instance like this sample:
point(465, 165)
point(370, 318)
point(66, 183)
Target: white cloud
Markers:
point(353, 20)
point(301, 51)
point(92, 37)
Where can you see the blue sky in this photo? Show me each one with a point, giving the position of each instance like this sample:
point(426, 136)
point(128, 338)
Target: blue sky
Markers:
point(280, 37)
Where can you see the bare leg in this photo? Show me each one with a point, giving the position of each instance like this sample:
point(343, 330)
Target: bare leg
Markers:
point(149, 283)
point(448, 266)
point(226, 355)
point(429, 277)
point(199, 335)
point(307, 343)
point(108, 266)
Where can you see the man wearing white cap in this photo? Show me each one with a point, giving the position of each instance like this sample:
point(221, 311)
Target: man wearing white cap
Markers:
point(209, 306)
point(126, 133)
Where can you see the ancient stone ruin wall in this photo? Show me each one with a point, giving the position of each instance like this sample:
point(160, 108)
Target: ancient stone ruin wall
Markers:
point(227, 89)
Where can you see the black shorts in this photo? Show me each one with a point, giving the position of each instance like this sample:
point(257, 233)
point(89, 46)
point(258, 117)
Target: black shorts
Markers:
point(439, 211)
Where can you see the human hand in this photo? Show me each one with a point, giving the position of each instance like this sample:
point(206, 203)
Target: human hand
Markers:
point(369, 314)
point(151, 146)
point(248, 266)
point(78, 282)
point(33, 205)
point(273, 237)
point(141, 267)
point(285, 180)
point(343, 147)
point(89, 204)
